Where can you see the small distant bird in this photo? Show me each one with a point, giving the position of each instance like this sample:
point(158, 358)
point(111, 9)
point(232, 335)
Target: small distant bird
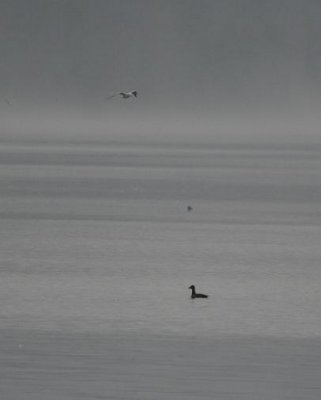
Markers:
point(127, 95)
point(124, 95)
point(197, 295)
point(189, 208)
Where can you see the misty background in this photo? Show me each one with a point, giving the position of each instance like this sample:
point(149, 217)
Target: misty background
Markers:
point(110, 210)
point(209, 69)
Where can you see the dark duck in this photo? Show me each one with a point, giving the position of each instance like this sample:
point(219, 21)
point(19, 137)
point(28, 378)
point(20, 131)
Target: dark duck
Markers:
point(197, 295)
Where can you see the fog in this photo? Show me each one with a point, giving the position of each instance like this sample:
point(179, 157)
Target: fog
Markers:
point(211, 69)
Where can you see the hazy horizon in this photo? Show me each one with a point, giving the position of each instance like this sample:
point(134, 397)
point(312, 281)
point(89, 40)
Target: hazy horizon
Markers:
point(111, 209)
point(207, 70)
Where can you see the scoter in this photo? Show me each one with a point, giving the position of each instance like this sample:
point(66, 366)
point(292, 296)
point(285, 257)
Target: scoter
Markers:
point(197, 295)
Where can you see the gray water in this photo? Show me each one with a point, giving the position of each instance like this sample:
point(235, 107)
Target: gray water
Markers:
point(98, 250)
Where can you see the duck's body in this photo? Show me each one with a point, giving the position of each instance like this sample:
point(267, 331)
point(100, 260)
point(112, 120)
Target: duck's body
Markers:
point(195, 295)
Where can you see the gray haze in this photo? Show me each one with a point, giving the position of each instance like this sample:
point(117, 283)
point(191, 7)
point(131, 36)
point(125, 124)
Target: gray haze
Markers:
point(97, 246)
point(207, 68)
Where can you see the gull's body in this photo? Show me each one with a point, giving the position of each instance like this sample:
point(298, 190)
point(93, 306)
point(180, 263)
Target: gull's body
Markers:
point(125, 95)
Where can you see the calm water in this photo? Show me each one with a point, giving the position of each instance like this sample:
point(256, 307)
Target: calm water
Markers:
point(99, 239)
point(98, 250)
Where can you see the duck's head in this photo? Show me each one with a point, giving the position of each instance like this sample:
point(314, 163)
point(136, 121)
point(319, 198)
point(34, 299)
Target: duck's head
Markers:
point(192, 287)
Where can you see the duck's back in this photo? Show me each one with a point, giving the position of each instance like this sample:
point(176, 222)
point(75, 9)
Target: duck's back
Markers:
point(199, 295)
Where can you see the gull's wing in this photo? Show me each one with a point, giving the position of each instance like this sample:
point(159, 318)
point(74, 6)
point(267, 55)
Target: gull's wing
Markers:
point(111, 96)
point(124, 95)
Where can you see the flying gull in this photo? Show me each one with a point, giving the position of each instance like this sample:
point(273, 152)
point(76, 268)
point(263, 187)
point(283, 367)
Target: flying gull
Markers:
point(124, 95)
